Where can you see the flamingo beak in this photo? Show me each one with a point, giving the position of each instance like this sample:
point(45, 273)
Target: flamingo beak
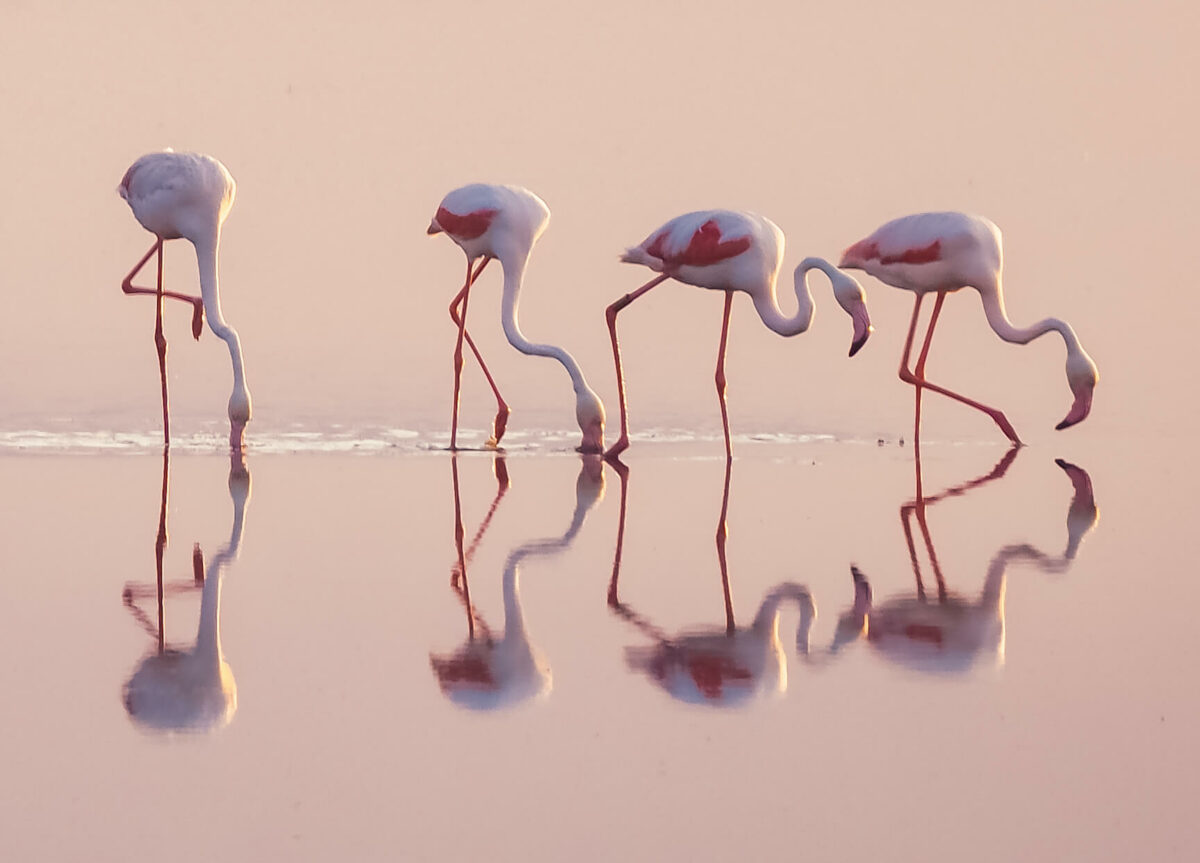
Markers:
point(862, 328)
point(434, 227)
point(1079, 410)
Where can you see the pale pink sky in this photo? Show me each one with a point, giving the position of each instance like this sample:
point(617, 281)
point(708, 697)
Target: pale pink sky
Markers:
point(1068, 124)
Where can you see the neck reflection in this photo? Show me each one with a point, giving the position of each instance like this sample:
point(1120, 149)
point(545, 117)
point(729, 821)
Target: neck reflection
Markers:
point(177, 688)
point(714, 666)
point(491, 670)
point(946, 632)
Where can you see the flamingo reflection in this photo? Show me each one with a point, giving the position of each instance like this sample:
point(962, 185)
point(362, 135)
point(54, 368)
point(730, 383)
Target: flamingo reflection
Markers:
point(951, 633)
point(490, 671)
point(188, 689)
point(717, 666)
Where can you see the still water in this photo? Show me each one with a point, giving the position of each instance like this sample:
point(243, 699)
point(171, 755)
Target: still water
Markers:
point(401, 654)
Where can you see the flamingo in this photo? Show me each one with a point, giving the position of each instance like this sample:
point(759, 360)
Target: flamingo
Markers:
point(944, 252)
point(503, 222)
point(731, 251)
point(187, 195)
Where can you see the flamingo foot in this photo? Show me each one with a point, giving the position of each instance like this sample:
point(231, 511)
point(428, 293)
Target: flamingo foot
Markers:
point(617, 448)
point(499, 425)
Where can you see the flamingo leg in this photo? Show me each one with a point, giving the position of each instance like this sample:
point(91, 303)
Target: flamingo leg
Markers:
point(917, 378)
point(160, 343)
point(610, 315)
point(720, 380)
point(722, 534)
point(465, 295)
point(197, 302)
point(502, 411)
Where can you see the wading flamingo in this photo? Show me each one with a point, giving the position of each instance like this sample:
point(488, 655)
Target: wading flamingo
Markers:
point(187, 195)
point(730, 251)
point(503, 222)
point(944, 252)
point(715, 666)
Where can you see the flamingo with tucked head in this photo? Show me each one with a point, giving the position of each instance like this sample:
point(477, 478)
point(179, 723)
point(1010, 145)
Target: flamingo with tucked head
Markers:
point(503, 222)
point(187, 195)
point(943, 252)
point(731, 251)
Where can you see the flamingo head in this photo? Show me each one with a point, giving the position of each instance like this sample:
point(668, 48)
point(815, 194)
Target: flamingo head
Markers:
point(589, 413)
point(1082, 376)
point(853, 300)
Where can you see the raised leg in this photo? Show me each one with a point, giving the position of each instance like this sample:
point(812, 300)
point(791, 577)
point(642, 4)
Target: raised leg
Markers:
point(160, 343)
point(918, 379)
point(610, 315)
point(720, 380)
point(502, 410)
point(197, 303)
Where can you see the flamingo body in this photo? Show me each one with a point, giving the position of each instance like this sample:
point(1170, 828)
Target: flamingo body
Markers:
point(715, 249)
point(930, 252)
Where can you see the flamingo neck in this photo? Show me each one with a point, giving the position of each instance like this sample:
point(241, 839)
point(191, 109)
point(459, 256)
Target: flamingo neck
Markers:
point(514, 273)
point(997, 318)
point(767, 304)
point(206, 259)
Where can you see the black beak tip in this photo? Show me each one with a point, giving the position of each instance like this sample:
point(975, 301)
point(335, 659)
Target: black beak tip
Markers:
point(857, 346)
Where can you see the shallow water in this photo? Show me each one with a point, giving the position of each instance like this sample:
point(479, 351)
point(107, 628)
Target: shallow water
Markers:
point(1040, 711)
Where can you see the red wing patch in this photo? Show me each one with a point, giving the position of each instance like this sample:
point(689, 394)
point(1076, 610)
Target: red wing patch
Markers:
point(704, 249)
point(863, 250)
point(467, 227)
point(926, 255)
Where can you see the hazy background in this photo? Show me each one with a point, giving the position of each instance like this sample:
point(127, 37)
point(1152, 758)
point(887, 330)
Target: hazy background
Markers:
point(1071, 125)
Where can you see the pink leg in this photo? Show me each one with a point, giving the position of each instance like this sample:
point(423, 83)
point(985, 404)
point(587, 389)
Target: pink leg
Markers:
point(502, 410)
point(918, 378)
point(197, 303)
point(160, 342)
point(465, 293)
point(722, 533)
point(720, 376)
point(610, 315)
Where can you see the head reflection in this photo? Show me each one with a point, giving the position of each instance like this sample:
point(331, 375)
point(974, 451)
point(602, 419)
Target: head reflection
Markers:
point(716, 666)
point(191, 689)
point(947, 632)
point(493, 670)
